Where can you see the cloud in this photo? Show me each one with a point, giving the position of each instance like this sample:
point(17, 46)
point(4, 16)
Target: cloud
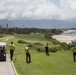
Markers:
point(37, 9)
point(68, 9)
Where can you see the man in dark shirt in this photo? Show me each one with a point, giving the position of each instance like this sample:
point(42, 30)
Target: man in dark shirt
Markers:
point(46, 50)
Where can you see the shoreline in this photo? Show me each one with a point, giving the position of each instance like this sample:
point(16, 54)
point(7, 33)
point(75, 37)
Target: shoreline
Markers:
point(64, 37)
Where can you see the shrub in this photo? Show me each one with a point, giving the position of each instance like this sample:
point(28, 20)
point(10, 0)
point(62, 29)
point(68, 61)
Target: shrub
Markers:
point(30, 45)
point(39, 48)
point(22, 42)
point(51, 49)
point(54, 41)
point(55, 49)
point(38, 43)
point(64, 46)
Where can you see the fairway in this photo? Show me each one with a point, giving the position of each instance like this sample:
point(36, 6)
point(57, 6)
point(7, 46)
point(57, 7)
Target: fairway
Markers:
point(58, 63)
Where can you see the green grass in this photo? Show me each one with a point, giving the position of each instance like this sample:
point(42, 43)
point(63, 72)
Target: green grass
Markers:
point(32, 38)
point(59, 63)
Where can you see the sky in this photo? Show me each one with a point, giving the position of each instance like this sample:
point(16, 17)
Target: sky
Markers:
point(38, 13)
point(38, 9)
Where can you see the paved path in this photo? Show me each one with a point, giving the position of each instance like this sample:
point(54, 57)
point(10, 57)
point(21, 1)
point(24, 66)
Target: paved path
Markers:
point(7, 67)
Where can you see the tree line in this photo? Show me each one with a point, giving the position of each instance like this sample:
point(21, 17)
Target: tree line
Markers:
point(29, 30)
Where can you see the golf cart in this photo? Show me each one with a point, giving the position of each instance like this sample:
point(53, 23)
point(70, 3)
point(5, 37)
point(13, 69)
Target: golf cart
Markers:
point(2, 51)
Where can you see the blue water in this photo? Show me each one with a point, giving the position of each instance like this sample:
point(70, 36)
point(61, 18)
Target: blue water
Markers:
point(73, 33)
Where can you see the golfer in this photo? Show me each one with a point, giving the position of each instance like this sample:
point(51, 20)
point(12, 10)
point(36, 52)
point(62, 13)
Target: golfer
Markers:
point(74, 53)
point(12, 48)
point(28, 56)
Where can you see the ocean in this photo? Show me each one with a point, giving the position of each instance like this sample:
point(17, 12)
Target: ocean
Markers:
point(72, 32)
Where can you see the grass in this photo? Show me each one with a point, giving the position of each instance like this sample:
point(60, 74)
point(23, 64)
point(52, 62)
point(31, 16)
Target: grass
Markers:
point(32, 38)
point(59, 63)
